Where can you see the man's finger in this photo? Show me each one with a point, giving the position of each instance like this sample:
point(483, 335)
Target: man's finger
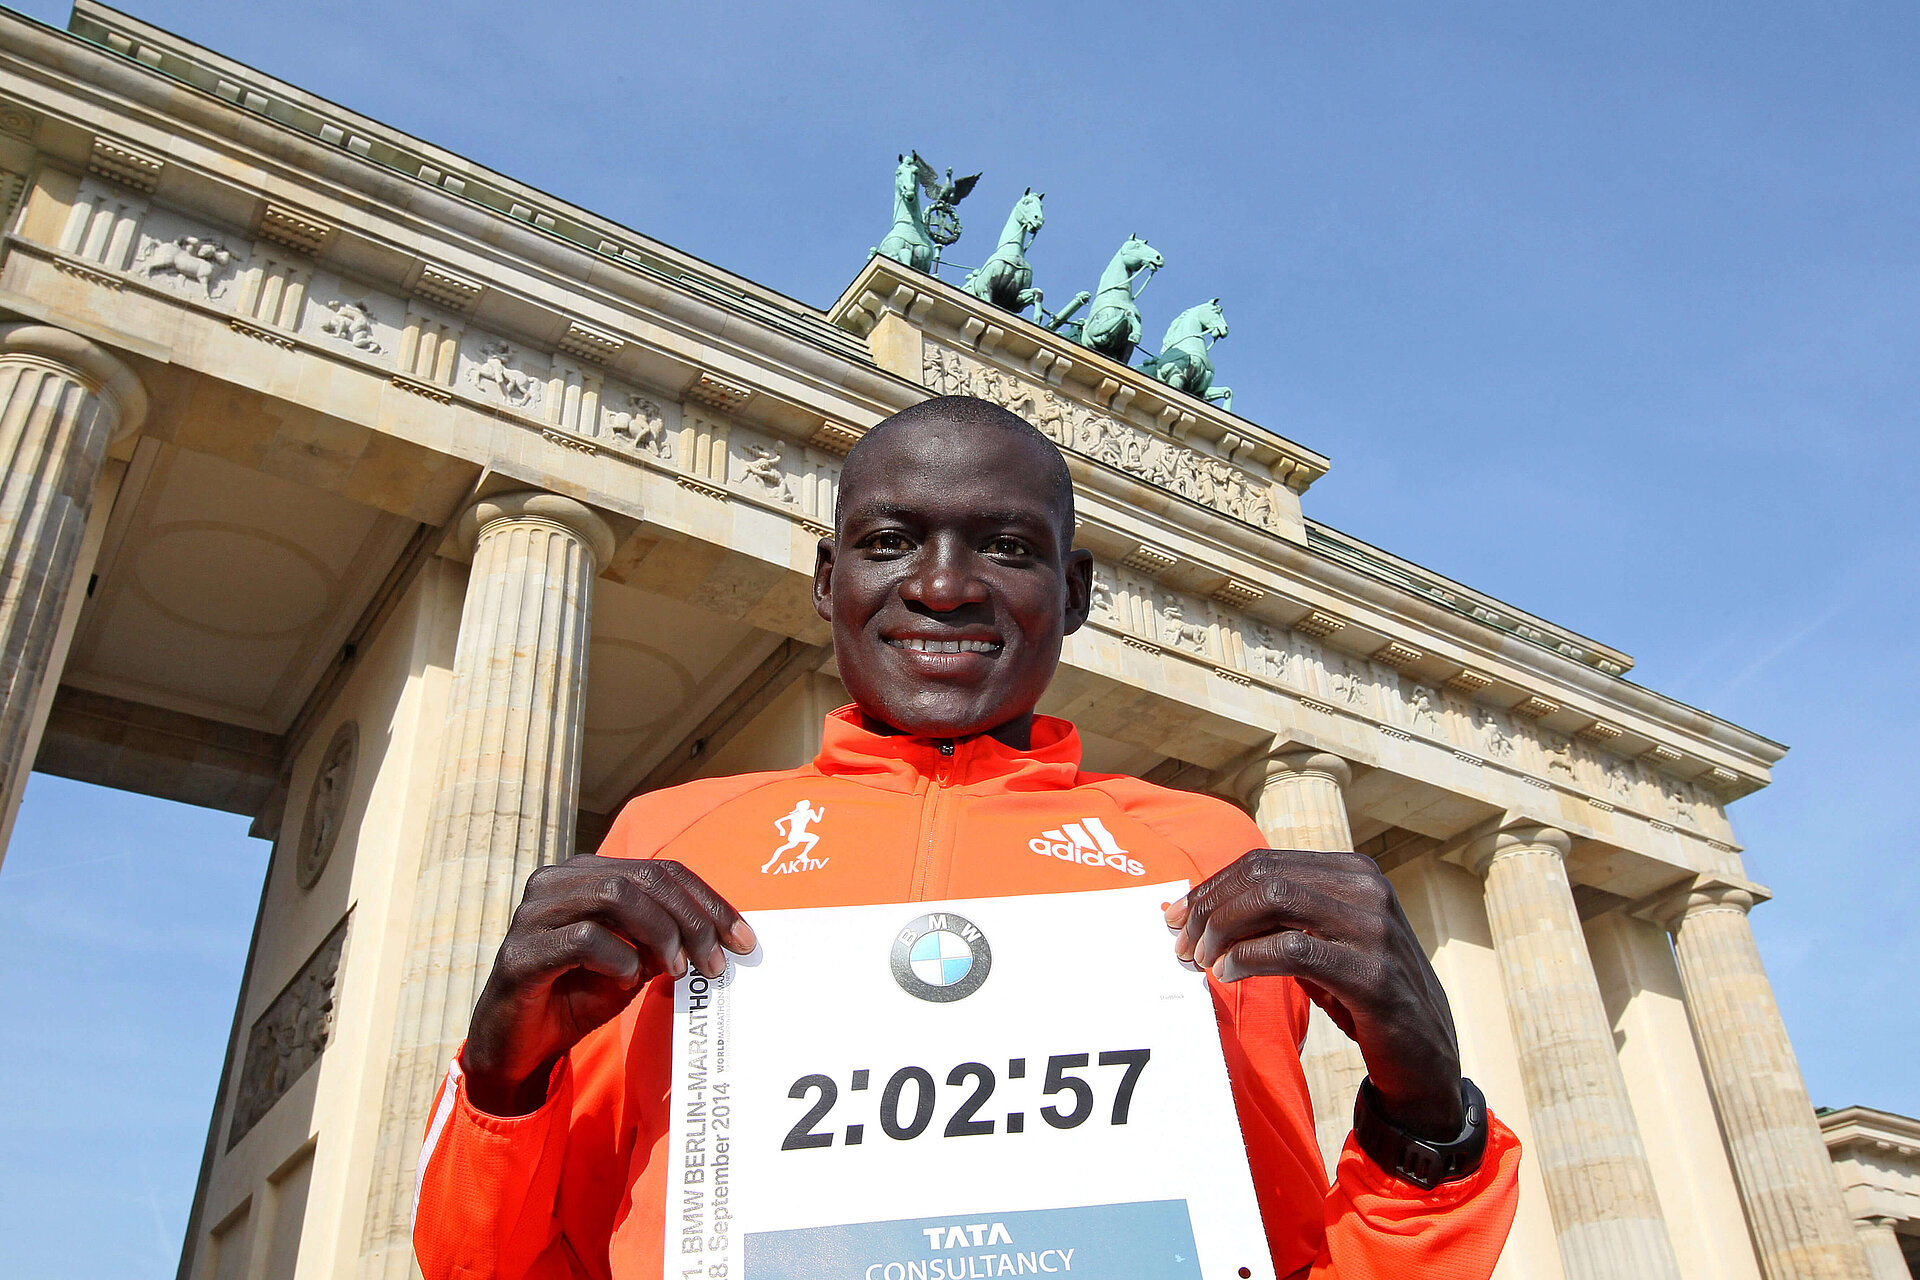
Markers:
point(590, 945)
point(1343, 973)
point(734, 932)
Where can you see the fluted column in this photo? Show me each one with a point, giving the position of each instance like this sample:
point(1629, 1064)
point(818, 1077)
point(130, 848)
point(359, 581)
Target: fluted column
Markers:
point(504, 804)
point(1606, 1213)
point(63, 400)
point(1801, 1228)
point(1882, 1247)
point(1298, 799)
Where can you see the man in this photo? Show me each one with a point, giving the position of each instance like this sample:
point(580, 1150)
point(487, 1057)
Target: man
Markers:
point(950, 581)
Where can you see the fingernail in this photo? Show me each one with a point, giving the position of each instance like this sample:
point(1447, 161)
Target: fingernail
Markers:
point(1176, 911)
point(716, 961)
point(677, 964)
point(742, 938)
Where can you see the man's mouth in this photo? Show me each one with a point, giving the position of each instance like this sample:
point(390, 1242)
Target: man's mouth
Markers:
point(919, 644)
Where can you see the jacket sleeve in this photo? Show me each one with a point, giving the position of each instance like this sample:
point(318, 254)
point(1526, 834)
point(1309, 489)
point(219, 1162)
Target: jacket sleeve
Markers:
point(1378, 1225)
point(485, 1204)
point(534, 1197)
point(1369, 1223)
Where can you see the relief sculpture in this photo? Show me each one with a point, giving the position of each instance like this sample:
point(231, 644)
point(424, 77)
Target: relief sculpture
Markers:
point(1210, 481)
point(352, 323)
point(763, 473)
point(289, 1036)
point(494, 373)
point(642, 426)
point(200, 260)
point(1264, 654)
point(1187, 635)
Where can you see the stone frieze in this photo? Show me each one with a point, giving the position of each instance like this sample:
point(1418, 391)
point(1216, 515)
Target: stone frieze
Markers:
point(1211, 481)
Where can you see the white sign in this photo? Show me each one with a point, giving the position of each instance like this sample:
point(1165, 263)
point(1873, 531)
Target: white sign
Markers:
point(958, 1090)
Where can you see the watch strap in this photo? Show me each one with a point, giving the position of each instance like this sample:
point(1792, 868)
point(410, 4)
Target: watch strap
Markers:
point(1425, 1164)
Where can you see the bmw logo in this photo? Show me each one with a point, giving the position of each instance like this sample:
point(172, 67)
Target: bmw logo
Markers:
point(941, 957)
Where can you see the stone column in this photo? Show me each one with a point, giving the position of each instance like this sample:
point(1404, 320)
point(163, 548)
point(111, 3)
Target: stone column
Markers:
point(1298, 800)
point(1882, 1247)
point(1606, 1213)
point(1800, 1224)
point(63, 400)
point(504, 804)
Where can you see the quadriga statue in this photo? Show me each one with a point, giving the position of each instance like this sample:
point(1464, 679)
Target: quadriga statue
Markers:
point(1185, 360)
point(1006, 279)
point(908, 242)
point(1112, 327)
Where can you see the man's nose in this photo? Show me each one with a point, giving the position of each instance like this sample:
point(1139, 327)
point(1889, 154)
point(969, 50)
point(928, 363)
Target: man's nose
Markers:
point(944, 576)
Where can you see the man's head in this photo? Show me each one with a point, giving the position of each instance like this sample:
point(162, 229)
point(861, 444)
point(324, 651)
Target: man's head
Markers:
point(951, 578)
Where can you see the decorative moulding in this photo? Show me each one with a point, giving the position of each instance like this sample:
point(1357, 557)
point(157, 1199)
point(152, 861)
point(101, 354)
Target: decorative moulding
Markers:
point(1663, 753)
point(1600, 731)
point(1151, 561)
point(124, 164)
point(1468, 681)
point(1317, 624)
point(589, 343)
point(1237, 594)
point(718, 393)
point(17, 120)
point(296, 231)
point(1398, 656)
point(833, 437)
point(1534, 707)
point(448, 288)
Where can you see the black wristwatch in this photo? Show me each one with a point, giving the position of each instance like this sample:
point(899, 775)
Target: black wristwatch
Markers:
point(1425, 1164)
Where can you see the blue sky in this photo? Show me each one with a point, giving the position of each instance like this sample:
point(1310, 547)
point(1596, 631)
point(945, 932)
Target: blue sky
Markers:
point(1612, 313)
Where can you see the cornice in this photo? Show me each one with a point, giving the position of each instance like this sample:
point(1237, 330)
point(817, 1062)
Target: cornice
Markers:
point(283, 143)
point(1877, 1131)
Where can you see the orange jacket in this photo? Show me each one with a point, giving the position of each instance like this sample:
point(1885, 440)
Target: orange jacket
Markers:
point(575, 1189)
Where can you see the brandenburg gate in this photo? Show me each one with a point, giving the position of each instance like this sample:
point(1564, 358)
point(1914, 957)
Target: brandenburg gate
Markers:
point(425, 518)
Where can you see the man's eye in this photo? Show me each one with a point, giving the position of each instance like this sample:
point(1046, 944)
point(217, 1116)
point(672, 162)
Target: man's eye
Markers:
point(887, 540)
point(1008, 546)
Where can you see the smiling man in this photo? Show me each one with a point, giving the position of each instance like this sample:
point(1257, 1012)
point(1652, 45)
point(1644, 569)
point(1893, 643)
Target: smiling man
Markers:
point(950, 582)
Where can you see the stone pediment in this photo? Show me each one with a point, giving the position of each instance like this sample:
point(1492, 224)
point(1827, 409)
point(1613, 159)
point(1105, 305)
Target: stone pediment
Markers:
point(924, 330)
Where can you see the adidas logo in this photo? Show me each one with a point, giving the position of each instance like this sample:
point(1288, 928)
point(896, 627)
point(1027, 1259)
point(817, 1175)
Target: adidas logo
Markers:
point(1087, 842)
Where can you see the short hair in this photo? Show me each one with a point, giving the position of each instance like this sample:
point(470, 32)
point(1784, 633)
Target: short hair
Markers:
point(973, 414)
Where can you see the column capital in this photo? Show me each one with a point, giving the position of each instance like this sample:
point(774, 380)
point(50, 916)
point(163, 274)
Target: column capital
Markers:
point(1513, 837)
point(1707, 892)
point(1292, 761)
point(574, 516)
point(88, 363)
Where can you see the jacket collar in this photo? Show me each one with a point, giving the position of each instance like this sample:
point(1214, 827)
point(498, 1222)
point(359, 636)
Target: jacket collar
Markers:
point(900, 762)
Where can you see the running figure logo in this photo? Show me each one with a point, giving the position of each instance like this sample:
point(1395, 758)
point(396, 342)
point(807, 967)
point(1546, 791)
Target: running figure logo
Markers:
point(794, 827)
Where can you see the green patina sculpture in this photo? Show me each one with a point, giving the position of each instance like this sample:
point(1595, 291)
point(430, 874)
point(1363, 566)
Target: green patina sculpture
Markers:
point(1184, 361)
point(1005, 279)
point(908, 243)
point(1112, 327)
point(917, 237)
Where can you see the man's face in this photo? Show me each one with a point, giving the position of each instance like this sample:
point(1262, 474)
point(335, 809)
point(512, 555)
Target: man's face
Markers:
point(949, 585)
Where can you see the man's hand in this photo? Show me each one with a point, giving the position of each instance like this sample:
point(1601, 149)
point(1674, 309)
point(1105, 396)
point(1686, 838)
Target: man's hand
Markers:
point(1332, 921)
point(589, 933)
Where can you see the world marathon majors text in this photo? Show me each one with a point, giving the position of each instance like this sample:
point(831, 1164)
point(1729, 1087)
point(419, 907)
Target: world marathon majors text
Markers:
point(704, 1119)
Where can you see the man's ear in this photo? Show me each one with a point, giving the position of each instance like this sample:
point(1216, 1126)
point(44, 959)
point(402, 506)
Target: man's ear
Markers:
point(1079, 589)
point(823, 580)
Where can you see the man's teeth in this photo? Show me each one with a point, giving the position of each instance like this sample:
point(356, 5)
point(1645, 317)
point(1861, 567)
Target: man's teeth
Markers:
point(945, 646)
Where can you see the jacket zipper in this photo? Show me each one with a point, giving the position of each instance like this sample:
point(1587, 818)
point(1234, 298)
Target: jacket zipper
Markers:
point(930, 824)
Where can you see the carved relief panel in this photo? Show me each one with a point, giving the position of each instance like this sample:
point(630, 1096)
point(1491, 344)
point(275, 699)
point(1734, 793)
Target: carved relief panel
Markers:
point(188, 258)
point(1190, 472)
point(289, 1036)
point(346, 314)
point(507, 373)
point(327, 804)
